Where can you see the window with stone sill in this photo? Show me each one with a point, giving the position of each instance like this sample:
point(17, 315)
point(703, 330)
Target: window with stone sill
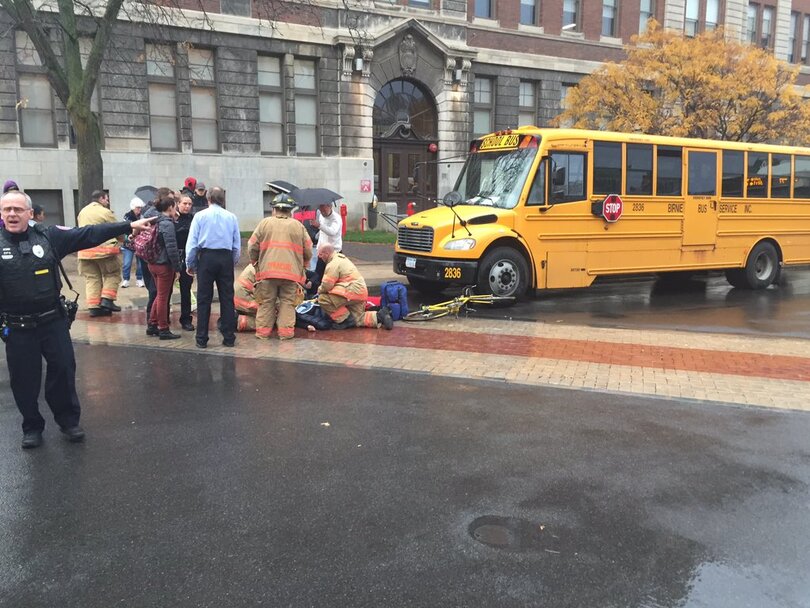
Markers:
point(529, 12)
point(484, 9)
point(565, 89)
point(306, 107)
point(751, 23)
point(691, 22)
point(271, 105)
point(792, 40)
point(35, 98)
point(204, 117)
point(610, 9)
point(482, 106)
point(645, 13)
point(160, 76)
point(805, 38)
point(527, 103)
point(712, 15)
point(571, 15)
point(766, 27)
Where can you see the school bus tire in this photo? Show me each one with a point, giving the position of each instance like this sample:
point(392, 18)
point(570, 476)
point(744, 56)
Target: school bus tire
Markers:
point(503, 272)
point(426, 286)
point(761, 268)
point(736, 277)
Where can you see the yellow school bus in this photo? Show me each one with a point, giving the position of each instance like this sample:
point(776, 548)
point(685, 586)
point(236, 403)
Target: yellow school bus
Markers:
point(555, 208)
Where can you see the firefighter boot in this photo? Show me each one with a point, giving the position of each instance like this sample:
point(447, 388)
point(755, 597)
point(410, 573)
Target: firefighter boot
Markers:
point(110, 305)
point(384, 318)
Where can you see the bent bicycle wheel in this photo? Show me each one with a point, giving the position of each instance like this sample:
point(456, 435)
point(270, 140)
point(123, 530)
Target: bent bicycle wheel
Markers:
point(426, 314)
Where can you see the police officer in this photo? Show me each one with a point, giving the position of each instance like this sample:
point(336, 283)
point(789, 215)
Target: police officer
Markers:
point(34, 321)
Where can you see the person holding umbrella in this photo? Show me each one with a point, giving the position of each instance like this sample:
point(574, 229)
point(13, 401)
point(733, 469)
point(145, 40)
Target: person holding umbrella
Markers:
point(328, 223)
point(330, 232)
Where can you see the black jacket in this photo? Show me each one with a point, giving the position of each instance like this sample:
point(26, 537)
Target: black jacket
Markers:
point(198, 203)
point(182, 227)
point(63, 241)
point(169, 253)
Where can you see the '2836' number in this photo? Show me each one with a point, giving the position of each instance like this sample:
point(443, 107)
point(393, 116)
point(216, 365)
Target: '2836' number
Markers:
point(452, 273)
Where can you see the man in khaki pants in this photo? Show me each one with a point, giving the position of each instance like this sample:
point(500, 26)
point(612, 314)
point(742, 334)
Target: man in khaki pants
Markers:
point(100, 266)
point(280, 249)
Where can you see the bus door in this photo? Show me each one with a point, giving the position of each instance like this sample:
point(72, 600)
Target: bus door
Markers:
point(701, 200)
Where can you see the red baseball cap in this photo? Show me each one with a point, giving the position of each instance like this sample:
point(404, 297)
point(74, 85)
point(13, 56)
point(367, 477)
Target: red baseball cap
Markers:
point(191, 183)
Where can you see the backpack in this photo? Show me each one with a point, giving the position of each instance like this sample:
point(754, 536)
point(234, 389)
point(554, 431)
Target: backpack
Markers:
point(394, 295)
point(146, 245)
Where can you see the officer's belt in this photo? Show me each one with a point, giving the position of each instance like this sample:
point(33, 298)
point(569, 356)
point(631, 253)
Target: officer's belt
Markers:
point(30, 321)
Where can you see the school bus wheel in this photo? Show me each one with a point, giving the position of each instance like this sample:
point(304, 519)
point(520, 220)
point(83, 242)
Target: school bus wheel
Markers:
point(503, 272)
point(761, 268)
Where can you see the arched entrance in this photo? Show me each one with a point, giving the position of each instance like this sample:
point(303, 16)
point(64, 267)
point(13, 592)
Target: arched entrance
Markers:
point(405, 126)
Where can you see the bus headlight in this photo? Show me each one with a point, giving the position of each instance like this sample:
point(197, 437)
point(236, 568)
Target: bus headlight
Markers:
point(460, 244)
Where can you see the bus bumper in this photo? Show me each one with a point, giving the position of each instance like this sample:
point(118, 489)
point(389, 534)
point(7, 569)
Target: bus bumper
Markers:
point(464, 272)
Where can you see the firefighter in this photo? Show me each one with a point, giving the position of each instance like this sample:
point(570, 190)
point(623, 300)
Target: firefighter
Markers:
point(343, 294)
point(279, 249)
point(244, 300)
point(101, 265)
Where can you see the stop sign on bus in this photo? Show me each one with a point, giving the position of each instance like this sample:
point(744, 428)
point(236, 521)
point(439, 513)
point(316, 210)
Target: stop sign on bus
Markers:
point(612, 207)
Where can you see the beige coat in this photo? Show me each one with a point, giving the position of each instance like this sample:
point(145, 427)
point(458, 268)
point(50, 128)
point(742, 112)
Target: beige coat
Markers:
point(341, 278)
point(280, 248)
point(92, 214)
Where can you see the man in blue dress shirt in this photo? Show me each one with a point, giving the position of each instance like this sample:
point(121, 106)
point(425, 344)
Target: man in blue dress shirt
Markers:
point(212, 251)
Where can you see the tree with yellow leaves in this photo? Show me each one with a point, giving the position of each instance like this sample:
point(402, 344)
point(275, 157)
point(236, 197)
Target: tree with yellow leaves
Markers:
point(706, 87)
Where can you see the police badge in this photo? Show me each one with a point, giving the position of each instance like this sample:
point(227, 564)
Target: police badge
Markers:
point(38, 251)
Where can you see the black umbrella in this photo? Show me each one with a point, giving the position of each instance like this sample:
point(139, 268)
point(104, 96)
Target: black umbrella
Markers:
point(146, 193)
point(314, 196)
point(279, 186)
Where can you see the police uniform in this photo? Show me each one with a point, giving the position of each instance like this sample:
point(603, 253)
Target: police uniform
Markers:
point(35, 324)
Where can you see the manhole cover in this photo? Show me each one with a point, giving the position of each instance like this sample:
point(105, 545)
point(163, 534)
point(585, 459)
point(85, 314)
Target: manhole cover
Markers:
point(510, 533)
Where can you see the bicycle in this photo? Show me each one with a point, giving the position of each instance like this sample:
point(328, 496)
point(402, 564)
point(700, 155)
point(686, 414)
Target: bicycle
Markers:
point(428, 312)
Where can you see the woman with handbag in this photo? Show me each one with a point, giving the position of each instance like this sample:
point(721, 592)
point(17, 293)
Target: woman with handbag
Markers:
point(165, 268)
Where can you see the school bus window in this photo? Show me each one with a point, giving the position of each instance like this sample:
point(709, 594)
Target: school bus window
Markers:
point(669, 171)
point(702, 176)
point(639, 169)
point(567, 177)
point(780, 175)
point(757, 175)
point(495, 179)
point(607, 167)
point(733, 173)
point(537, 195)
point(801, 173)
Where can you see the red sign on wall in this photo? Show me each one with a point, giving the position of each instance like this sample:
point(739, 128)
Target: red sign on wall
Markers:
point(365, 185)
point(612, 207)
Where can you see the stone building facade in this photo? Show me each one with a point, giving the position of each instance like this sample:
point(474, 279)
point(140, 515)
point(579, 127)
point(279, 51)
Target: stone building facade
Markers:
point(360, 96)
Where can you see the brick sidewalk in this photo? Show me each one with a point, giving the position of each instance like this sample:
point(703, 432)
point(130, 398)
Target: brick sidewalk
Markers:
point(728, 369)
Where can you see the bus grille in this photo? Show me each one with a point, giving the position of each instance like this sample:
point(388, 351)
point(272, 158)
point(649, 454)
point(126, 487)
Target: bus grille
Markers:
point(415, 239)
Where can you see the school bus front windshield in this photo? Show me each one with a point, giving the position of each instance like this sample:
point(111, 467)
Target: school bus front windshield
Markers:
point(496, 178)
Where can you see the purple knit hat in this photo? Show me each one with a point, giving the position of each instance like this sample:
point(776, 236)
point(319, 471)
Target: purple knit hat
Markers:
point(10, 185)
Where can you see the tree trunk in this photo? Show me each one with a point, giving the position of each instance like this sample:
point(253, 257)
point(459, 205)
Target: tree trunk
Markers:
point(88, 154)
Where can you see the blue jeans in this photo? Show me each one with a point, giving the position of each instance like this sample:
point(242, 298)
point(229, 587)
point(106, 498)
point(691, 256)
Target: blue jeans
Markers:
point(128, 255)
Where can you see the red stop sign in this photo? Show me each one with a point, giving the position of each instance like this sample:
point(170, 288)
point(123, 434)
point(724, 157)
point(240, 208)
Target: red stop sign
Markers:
point(612, 207)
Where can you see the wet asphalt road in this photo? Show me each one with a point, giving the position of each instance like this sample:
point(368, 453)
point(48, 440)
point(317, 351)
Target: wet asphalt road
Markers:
point(215, 481)
point(700, 304)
